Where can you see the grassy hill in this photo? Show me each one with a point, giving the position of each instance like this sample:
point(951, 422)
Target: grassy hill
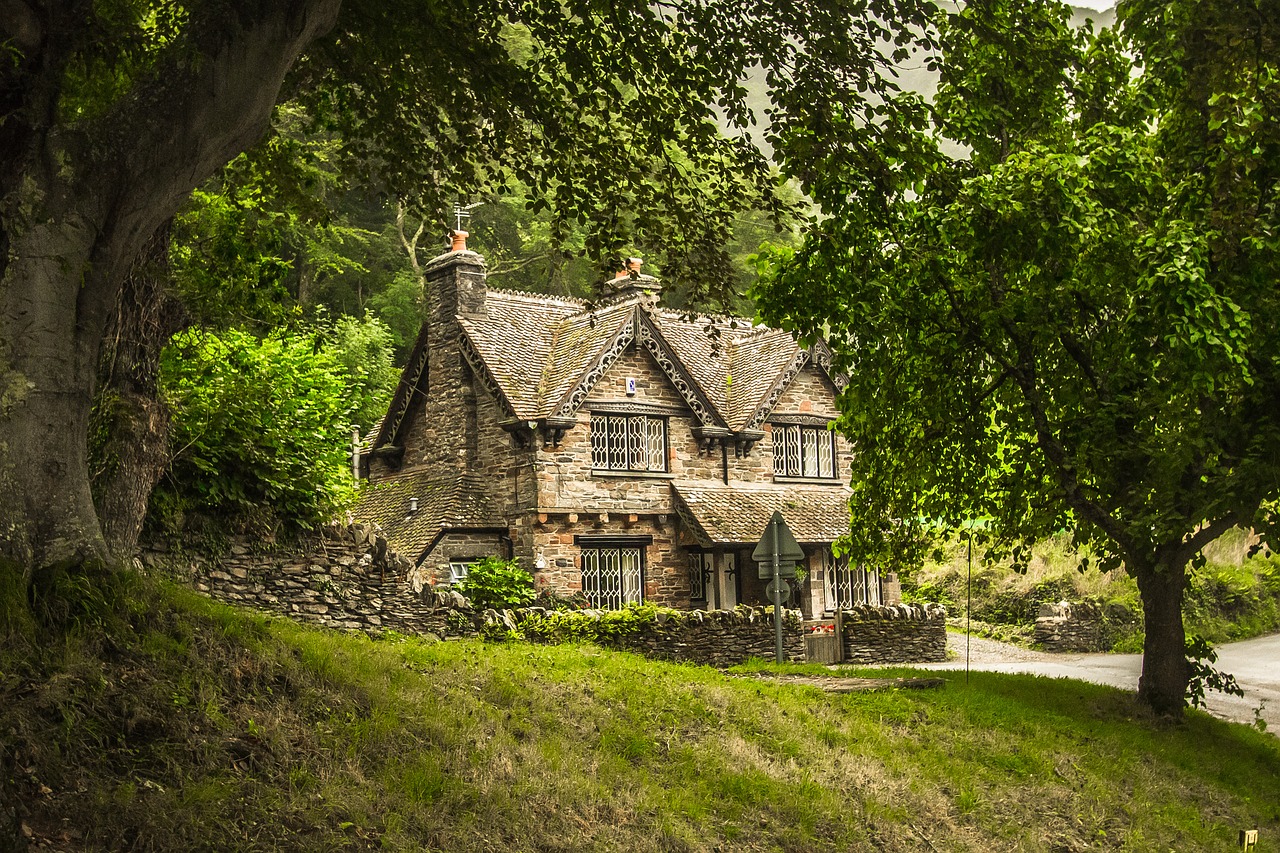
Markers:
point(148, 718)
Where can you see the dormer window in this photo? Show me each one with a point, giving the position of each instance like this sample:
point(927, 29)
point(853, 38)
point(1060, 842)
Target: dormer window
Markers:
point(804, 451)
point(628, 443)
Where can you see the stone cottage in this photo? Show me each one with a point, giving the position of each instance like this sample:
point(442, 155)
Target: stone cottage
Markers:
point(619, 450)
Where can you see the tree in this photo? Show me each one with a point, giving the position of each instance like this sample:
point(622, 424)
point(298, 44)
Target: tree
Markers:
point(1068, 324)
point(112, 113)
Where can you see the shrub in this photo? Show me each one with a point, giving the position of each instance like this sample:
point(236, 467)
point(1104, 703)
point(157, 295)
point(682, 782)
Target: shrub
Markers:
point(363, 348)
point(497, 583)
point(260, 429)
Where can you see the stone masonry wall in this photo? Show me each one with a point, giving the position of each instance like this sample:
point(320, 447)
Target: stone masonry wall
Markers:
point(716, 637)
point(345, 578)
point(897, 633)
point(1082, 626)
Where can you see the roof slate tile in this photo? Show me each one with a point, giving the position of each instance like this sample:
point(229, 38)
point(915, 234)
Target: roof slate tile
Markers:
point(444, 503)
point(739, 513)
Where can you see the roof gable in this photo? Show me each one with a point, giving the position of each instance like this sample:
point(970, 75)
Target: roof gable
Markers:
point(586, 347)
point(387, 430)
point(444, 503)
point(540, 356)
point(805, 389)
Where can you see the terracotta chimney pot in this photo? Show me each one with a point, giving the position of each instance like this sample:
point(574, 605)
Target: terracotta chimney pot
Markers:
point(459, 241)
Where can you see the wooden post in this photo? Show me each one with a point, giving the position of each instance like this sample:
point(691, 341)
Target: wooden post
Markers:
point(839, 635)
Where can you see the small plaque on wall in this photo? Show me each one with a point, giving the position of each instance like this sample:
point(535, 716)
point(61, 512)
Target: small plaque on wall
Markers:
point(631, 386)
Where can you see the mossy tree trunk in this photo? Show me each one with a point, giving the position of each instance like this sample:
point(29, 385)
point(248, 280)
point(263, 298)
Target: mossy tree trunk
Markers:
point(129, 441)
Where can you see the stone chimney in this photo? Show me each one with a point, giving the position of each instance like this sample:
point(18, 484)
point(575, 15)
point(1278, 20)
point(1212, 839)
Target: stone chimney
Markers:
point(631, 282)
point(455, 282)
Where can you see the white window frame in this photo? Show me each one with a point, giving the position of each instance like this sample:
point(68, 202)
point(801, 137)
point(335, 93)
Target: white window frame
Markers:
point(804, 452)
point(458, 567)
point(628, 442)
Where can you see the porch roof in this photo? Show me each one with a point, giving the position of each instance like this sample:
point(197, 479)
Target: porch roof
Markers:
point(737, 514)
point(456, 502)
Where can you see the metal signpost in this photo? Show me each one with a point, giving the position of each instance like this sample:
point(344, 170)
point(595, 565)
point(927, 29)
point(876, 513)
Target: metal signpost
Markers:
point(776, 556)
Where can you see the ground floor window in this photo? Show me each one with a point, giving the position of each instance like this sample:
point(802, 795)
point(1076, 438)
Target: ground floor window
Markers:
point(845, 585)
point(613, 573)
point(458, 569)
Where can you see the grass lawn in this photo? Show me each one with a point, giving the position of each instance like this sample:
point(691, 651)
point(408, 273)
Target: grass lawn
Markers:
point(188, 725)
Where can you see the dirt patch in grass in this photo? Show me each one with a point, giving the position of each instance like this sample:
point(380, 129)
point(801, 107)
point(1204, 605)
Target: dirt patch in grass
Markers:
point(846, 684)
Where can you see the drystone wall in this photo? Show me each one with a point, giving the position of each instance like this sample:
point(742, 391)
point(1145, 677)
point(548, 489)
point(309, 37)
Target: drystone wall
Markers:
point(346, 578)
point(896, 633)
point(343, 577)
point(715, 637)
point(1082, 626)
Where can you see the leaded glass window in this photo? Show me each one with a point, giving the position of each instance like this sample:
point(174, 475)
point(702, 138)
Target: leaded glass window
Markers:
point(612, 577)
point(845, 585)
point(628, 443)
point(803, 451)
point(701, 565)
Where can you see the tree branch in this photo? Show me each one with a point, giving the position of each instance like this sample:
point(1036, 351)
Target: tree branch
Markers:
point(183, 123)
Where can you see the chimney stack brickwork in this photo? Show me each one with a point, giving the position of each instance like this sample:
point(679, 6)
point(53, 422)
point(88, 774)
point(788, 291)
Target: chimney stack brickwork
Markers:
point(455, 284)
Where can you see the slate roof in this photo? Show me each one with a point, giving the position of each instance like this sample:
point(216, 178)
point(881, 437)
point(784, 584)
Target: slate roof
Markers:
point(444, 503)
point(537, 349)
point(737, 514)
point(516, 339)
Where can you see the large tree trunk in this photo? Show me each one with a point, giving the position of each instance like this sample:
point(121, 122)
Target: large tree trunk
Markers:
point(50, 337)
point(77, 204)
point(130, 447)
point(1165, 671)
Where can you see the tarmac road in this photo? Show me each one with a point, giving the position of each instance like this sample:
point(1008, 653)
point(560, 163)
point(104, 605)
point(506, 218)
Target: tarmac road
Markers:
point(1255, 664)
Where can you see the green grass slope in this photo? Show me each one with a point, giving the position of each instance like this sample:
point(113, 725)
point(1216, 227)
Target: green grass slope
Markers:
point(153, 719)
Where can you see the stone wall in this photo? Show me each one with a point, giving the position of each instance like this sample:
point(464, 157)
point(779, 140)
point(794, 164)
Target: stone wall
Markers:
point(342, 578)
point(346, 578)
point(896, 633)
point(715, 637)
point(1083, 626)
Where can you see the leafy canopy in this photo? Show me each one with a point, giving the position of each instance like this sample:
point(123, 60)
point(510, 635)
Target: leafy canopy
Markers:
point(1070, 323)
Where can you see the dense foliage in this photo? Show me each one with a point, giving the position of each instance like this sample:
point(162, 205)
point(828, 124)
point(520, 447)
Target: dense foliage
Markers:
point(612, 115)
point(1053, 291)
point(498, 583)
point(260, 426)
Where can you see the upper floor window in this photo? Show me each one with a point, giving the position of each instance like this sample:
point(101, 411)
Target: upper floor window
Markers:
point(803, 451)
point(628, 443)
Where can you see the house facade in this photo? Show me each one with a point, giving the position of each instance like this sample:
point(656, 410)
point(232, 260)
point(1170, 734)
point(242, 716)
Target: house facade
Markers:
point(621, 451)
